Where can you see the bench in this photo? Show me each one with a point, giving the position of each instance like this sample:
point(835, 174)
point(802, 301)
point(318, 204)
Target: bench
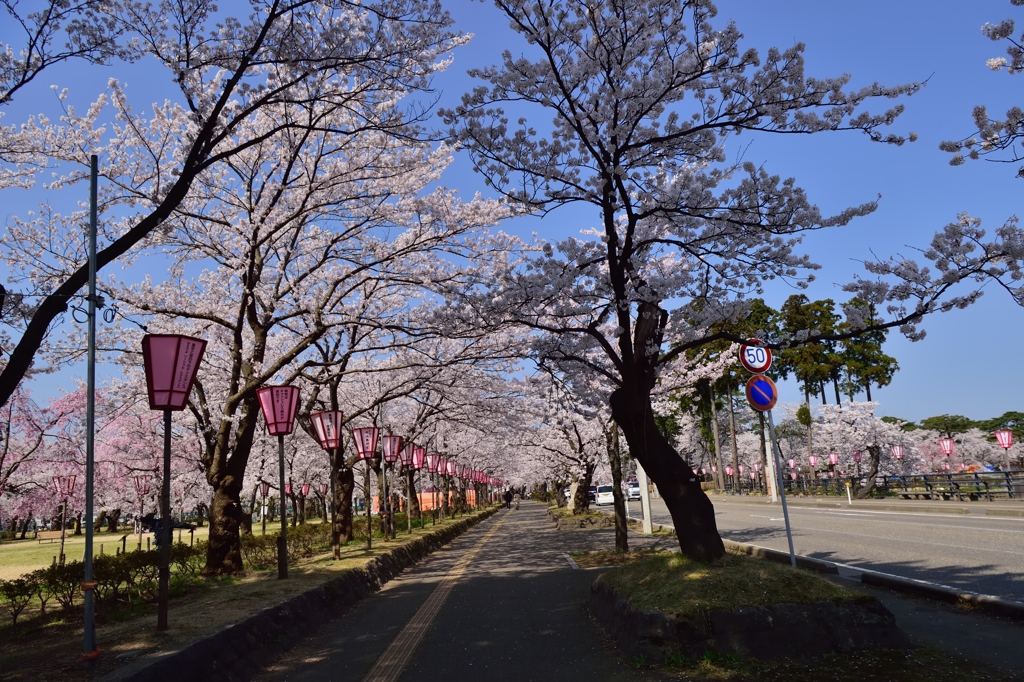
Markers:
point(50, 535)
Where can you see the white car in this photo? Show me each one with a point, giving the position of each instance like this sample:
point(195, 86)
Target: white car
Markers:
point(604, 495)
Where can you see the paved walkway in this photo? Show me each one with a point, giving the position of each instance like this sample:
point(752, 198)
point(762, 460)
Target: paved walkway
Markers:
point(499, 603)
point(502, 603)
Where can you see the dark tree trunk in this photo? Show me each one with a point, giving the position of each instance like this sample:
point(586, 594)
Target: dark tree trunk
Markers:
point(875, 454)
point(98, 524)
point(581, 501)
point(445, 488)
point(615, 463)
point(414, 499)
point(224, 552)
point(201, 510)
point(835, 385)
point(867, 389)
point(341, 507)
point(112, 520)
point(691, 510)
point(560, 500)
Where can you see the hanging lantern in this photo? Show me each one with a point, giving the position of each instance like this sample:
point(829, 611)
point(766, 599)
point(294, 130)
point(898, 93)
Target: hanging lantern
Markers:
point(366, 441)
point(305, 490)
point(897, 451)
point(451, 466)
point(813, 459)
point(287, 488)
point(946, 444)
point(279, 405)
point(742, 468)
point(857, 456)
point(264, 488)
point(418, 456)
point(323, 489)
point(945, 465)
point(792, 475)
point(729, 470)
point(791, 463)
point(171, 362)
point(752, 475)
point(142, 485)
point(65, 486)
point(432, 460)
point(406, 455)
point(833, 458)
point(327, 427)
point(1005, 438)
point(391, 445)
point(757, 466)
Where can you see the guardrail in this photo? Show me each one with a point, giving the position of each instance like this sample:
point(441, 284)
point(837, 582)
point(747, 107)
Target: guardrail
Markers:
point(988, 486)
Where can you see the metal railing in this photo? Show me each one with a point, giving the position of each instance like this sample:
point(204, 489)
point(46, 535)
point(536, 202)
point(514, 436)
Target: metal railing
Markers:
point(986, 486)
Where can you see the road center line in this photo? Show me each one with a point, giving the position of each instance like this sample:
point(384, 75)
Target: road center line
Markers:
point(392, 662)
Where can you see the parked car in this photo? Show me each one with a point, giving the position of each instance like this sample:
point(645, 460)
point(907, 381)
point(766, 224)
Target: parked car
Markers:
point(568, 493)
point(633, 490)
point(591, 493)
point(604, 495)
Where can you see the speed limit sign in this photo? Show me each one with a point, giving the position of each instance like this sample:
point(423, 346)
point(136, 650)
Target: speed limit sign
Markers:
point(756, 359)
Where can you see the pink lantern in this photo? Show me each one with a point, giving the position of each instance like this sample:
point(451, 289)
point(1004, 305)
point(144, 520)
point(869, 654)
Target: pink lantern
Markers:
point(1005, 438)
point(714, 469)
point(366, 441)
point(464, 473)
point(279, 405)
point(171, 362)
point(305, 490)
point(392, 445)
point(813, 459)
point(729, 470)
point(857, 456)
point(946, 444)
point(945, 465)
point(142, 485)
point(287, 488)
point(323, 489)
point(742, 468)
point(327, 426)
point(264, 488)
point(65, 486)
point(831, 474)
point(451, 466)
point(752, 475)
point(897, 451)
point(833, 458)
point(960, 467)
point(432, 460)
point(757, 466)
point(418, 455)
point(791, 463)
point(704, 471)
point(406, 455)
point(792, 475)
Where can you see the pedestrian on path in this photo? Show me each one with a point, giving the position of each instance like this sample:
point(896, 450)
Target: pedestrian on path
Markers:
point(508, 499)
point(516, 499)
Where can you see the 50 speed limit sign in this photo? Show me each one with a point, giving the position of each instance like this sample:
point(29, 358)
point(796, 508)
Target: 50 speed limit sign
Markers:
point(756, 359)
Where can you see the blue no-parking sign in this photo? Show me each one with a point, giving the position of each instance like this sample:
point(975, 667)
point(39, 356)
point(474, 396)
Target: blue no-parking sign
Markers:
point(762, 394)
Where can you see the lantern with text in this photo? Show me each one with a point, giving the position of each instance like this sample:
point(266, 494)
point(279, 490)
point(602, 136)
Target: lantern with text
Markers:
point(1005, 439)
point(833, 458)
point(432, 460)
point(171, 362)
point(406, 455)
point(418, 456)
point(946, 444)
point(392, 446)
point(897, 451)
point(279, 405)
point(287, 488)
point(305, 490)
point(365, 439)
point(327, 427)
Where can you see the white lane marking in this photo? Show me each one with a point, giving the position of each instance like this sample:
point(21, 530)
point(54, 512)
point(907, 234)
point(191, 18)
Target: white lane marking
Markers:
point(794, 508)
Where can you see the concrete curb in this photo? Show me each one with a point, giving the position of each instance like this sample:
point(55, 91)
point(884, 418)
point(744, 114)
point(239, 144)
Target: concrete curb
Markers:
point(240, 651)
point(922, 588)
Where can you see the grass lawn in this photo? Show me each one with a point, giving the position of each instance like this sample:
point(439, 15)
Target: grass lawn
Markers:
point(657, 580)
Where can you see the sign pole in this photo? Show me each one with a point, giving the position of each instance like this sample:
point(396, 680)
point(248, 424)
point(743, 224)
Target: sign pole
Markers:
point(645, 499)
point(782, 487)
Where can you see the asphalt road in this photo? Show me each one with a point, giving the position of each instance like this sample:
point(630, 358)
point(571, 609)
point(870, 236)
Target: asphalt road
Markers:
point(973, 552)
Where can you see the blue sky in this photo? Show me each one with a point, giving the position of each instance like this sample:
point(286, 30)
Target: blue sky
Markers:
point(964, 366)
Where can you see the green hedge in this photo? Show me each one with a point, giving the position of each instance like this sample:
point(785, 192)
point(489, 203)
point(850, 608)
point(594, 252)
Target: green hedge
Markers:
point(119, 578)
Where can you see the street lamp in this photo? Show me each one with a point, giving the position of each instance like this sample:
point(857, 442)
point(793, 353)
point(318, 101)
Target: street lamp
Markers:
point(366, 447)
point(833, 458)
point(1005, 439)
point(279, 405)
point(946, 444)
point(391, 446)
point(897, 453)
point(857, 456)
point(327, 427)
point(264, 491)
point(406, 457)
point(65, 486)
point(433, 461)
point(171, 362)
point(142, 489)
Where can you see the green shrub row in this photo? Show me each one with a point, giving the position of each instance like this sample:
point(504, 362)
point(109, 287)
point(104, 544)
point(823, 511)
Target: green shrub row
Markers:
point(119, 577)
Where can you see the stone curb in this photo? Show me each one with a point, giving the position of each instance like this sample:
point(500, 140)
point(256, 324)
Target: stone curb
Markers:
point(921, 588)
point(240, 651)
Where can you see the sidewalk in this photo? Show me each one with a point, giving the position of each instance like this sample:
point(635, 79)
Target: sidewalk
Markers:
point(517, 611)
point(502, 603)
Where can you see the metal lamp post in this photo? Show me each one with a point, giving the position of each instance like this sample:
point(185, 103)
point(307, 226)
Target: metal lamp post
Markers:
point(406, 456)
point(264, 491)
point(142, 489)
point(366, 447)
point(391, 446)
point(1005, 439)
point(171, 362)
point(327, 427)
point(65, 486)
point(419, 456)
point(432, 460)
point(279, 405)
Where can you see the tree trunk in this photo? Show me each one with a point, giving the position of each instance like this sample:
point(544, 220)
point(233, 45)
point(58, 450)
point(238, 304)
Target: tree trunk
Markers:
point(867, 388)
point(581, 501)
point(835, 385)
point(112, 520)
point(97, 525)
point(414, 499)
point(875, 454)
point(344, 486)
point(719, 472)
point(78, 524)
point(615, 463)
point(224, 553)
point(735, 450)
point(200, 514)
point(691, 510)
point(824, 396)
